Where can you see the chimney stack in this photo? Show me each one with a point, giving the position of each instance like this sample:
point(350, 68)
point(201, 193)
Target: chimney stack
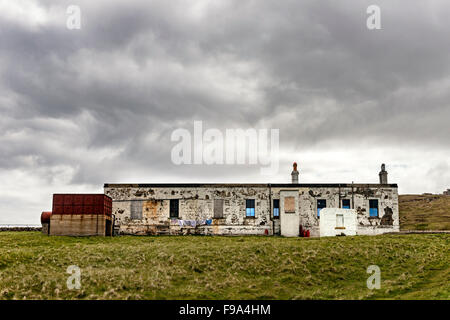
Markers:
point(294, 174)
point(383, 175)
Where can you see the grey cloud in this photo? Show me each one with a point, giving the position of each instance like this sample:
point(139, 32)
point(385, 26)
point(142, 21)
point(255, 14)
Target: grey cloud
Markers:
point(99, 104)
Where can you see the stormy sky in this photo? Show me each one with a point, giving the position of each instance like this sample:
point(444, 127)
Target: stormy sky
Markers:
point(81, 107)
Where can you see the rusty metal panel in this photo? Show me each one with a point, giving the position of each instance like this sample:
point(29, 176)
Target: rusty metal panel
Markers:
point(68, 209)
point(58, 209)
point(58, 199)
point(78, 199)
point(88, 200)
point(88, 209)
point(78, 209)
point(68, 200)
point(98, 210)
point(289, 204)
point(98, 200)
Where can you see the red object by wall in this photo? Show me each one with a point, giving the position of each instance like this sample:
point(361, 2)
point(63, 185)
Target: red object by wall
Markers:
point(99, 204)
point(45, 217)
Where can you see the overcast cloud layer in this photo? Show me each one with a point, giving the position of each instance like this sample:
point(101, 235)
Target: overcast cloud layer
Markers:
point(79, 108)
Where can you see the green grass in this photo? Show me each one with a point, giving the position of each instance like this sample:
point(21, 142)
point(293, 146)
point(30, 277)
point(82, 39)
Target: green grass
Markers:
point(33, 266)
point(424, 212)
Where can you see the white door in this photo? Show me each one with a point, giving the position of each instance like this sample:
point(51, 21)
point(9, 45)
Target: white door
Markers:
point(289, 213)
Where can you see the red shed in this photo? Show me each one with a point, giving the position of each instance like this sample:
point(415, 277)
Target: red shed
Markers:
point(81, 214)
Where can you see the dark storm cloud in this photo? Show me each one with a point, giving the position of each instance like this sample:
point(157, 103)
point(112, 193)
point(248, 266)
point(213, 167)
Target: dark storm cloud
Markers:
point(99, 104)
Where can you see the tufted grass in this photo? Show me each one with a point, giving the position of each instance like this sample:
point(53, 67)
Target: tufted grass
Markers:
point(424, 212)
point(33, 266)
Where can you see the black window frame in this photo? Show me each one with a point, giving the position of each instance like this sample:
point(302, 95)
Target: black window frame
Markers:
point(174, 211)
point(276, 205)
point(349, 203)
point(248, 205)
point(317, 203)
point(371, 207)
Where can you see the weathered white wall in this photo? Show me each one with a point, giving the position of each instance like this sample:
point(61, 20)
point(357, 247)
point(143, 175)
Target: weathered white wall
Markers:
point(194, 204)
point(197, 203)
point(359, 196)
point(328, 227)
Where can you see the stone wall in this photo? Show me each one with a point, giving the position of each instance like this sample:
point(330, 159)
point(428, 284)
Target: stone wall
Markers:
point(359, 196)
point(196, 202)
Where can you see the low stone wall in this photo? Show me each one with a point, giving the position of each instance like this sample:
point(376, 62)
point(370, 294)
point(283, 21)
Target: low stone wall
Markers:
point(20, 228)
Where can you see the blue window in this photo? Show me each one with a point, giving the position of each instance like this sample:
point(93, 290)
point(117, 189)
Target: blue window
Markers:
point(373, 208)
point(345, 203)
point(321, 203)
point(250, 208)
point(276, 208)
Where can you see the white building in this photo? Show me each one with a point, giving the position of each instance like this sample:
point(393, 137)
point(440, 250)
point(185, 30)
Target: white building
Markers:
point(253, 209)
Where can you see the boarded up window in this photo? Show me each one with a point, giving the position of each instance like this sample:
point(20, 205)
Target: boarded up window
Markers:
point(174, 205)
point(218, 208)
point(136, 210)
point(289, 204)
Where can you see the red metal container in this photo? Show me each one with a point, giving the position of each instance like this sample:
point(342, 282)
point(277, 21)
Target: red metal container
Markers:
point(58, 199)
point(88, 209)
point(89, 200)
point(68, 200)
point(58, 209)
point(78, 209)
point(98, 204)
point(45, 216)
point(68, 209)
point(99, 200)
point(78, 200)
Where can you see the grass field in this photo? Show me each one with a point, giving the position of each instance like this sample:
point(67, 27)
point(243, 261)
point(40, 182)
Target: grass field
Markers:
point(424, 212)
point(33, 266)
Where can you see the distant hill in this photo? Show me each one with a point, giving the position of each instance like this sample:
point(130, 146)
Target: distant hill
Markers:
point(424, 212)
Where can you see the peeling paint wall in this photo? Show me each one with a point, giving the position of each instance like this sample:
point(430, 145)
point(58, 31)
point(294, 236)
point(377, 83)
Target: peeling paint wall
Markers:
point(194, 204)
point(387, 221)
point(197, 203)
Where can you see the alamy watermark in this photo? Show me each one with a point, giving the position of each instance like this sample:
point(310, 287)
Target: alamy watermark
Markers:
point(74, 17)
point(374, 281)
point(373, 22)
point(234, 146)
point(74, 281)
